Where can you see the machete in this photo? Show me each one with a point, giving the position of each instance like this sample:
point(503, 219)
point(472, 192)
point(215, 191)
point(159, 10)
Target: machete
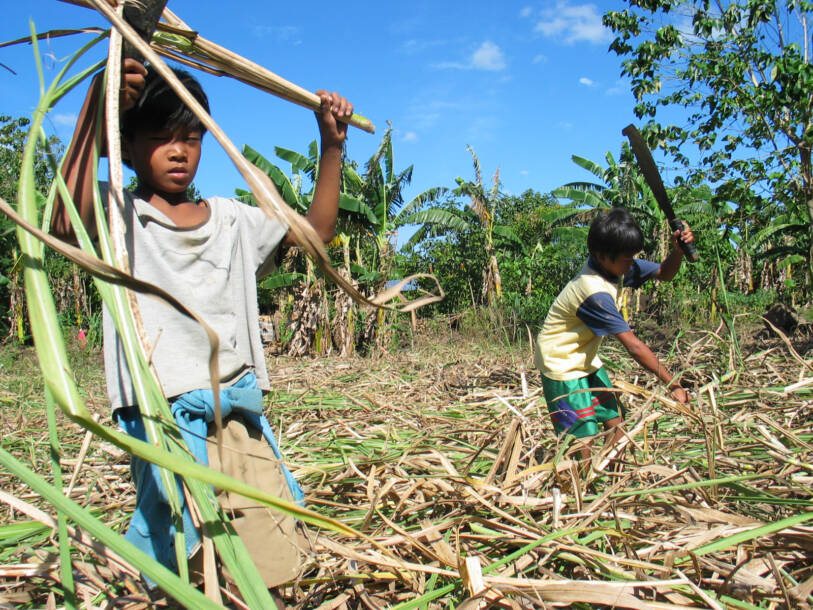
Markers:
point(650, 171)
point(143, 17)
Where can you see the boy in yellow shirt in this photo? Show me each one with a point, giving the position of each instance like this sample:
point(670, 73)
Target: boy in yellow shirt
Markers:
point(586, 311)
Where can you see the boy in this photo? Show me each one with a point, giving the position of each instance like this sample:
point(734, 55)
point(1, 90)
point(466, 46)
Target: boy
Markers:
point(566, 349)
point(207, 253)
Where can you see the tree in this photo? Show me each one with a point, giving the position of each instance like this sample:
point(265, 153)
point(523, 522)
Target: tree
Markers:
point(743, 70)
point(483, 204)
point(551, 253)
point(377, 195)
point(369, 205)
point(528, 215)
point(450, 244)
point(310, 315)
point(534, 264)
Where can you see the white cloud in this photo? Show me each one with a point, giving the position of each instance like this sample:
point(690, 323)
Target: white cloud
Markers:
point(451, 65)
point(289, 34)
point(488, 57)
point(416, 45)
point(586, 82)
point(410, 136)
point(428, 120)
point(524, 172)
point(425, 115)
point(619, 88)
point(552, 27)
point(525, 11)
point(410, 46)
point(573, 23)
point(539, 59)
point(482, 128)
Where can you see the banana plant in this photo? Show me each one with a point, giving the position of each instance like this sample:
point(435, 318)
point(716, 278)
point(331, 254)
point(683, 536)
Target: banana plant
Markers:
point(378, 195)
point(303, 171)
point(480, 214)
point(622, 185)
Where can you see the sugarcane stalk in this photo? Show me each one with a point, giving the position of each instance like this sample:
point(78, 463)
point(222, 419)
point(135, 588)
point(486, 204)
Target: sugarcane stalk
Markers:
point(223, 61)
point(264, 191)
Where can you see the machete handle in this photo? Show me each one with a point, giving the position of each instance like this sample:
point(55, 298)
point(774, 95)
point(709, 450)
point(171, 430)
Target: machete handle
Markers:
point(144, 17)
point(676, 224)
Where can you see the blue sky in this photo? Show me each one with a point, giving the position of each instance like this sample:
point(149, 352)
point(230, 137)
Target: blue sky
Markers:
point(526, 84)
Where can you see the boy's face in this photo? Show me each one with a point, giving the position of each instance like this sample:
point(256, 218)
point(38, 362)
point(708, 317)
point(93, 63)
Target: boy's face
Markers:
point(165, 160)
point(618, 266)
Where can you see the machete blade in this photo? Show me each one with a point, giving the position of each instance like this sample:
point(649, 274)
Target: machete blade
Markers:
point(653, 178)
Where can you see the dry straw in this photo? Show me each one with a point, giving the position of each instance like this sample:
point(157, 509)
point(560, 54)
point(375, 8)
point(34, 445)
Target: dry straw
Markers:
point(415, 451)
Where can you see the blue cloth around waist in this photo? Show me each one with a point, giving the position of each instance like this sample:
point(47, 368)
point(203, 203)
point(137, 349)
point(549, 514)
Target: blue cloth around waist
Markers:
point(151, 527)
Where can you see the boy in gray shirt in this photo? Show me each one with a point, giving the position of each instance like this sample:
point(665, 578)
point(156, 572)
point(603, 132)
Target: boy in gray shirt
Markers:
point(207, 253)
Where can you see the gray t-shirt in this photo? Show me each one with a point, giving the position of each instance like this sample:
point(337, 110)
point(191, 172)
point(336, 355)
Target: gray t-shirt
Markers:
point(212, 269)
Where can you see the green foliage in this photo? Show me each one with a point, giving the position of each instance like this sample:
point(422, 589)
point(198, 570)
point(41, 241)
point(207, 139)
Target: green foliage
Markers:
point(455, 254)
point(303, 169)
point(291, 190)
point(553, 250)
point(377, 199)
point(281, 279)
point(13, 134)
point(371, 209)
point(622, 185)
point(534, 264)
point(477, 217)
point(531, 283)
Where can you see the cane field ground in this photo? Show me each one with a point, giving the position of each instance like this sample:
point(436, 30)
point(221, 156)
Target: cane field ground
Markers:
point(441, 453)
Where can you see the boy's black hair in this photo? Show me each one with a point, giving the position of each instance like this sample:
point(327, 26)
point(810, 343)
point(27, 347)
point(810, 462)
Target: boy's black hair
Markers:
point(159, 107)
point(614, 233)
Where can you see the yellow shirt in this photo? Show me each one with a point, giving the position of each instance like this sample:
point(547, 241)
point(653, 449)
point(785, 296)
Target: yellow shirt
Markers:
point(581, 316)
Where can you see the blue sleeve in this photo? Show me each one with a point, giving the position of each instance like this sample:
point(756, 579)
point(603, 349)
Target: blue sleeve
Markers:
point(640, 272)
point(599, 314)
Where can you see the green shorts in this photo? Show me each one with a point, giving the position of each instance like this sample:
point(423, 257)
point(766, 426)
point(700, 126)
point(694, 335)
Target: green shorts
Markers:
point(576, 411)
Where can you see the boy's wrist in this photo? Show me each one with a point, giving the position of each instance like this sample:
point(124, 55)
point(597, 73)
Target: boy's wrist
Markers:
point(329, 147)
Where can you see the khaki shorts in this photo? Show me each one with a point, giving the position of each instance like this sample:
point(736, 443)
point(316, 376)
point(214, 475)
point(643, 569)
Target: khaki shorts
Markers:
point(272, 538)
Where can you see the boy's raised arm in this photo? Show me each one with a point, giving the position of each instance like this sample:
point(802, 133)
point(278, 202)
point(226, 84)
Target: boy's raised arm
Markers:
point(77, 170)
point(325, 205)
point(644, 356)
point(671, 264)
